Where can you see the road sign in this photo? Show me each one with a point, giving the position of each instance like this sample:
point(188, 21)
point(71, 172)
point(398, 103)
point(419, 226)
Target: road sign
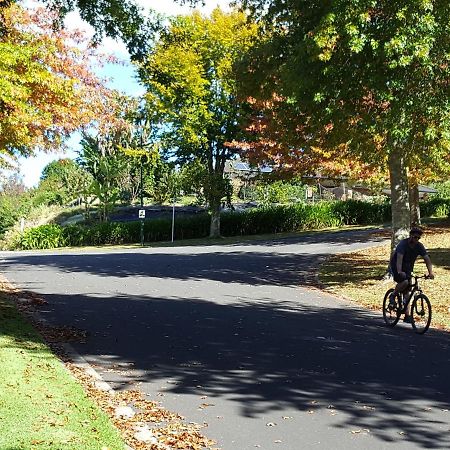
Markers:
point(142, 214)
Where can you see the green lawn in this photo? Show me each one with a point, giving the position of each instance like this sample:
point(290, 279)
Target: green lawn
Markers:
point(41, 404)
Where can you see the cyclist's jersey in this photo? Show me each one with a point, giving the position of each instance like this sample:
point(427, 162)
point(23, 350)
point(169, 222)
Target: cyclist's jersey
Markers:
point(410, 254)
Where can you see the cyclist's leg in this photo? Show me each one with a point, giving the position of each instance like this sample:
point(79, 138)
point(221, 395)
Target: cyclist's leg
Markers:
point(402, 283)
point(406, 296)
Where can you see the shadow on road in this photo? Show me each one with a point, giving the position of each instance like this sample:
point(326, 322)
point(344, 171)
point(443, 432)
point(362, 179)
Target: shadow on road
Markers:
point(249, 264)
point(271, 356)
point(265, 355)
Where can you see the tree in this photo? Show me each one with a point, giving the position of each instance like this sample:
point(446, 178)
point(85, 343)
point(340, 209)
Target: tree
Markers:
point(99, 157)
point(47, 88)
point(122, 20)
point(364, 78)
point(116, 19)
point(275, 138)
point(65, 178)
point(192, 180)
point(140, 149)
point(191, 85)
point(14, 202)
point(161, 181)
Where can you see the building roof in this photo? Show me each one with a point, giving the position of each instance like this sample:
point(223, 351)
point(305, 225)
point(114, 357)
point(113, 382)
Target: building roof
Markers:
point(240, 166)
point(422, 190)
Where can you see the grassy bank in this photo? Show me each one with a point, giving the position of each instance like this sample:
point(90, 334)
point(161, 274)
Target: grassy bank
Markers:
point(41, 405)
point(359, 275)
point(48, 405)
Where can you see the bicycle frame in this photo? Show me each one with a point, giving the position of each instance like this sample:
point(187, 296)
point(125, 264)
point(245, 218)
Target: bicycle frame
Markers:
point(412, 290)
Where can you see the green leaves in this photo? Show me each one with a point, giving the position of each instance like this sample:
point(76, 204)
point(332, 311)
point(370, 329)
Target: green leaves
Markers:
point(44, 236)
point(191, 85)
point(359, 70)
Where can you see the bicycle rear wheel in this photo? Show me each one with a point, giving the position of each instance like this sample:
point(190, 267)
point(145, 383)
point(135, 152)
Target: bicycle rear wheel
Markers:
point(421, 313)
point(391, 312)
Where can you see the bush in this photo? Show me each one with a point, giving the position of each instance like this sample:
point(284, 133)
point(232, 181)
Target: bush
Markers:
point(356, 212)
point(436, 207)
point(291, 218)
point(277, 192)
point(263, 220)
point(44, 236)
point(192, 227)
point(443, 189)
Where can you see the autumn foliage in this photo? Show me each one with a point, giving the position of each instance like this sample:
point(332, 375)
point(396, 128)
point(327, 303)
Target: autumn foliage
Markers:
point(47, 86)
point(278, 136)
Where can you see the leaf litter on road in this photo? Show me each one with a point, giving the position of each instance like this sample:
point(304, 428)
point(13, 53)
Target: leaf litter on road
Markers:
point(168, 428)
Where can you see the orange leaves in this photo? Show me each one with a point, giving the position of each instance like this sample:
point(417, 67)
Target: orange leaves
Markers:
point(278, 134)
point(166, 429)
point(47, 86)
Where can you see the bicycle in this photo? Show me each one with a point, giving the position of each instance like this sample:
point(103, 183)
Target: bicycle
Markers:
point(420, 306)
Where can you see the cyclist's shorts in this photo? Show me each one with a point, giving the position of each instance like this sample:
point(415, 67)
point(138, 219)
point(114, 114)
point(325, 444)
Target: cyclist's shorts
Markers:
point(399, 278)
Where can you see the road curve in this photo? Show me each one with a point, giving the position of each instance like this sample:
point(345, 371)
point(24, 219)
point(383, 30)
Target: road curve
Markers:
point(231, 336)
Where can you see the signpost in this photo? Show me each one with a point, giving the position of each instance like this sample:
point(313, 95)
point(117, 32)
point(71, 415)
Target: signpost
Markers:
point(142, 218)
point(173, 219)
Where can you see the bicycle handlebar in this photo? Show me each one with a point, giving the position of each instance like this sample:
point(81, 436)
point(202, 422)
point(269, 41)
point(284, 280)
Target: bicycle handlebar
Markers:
point(425, 276)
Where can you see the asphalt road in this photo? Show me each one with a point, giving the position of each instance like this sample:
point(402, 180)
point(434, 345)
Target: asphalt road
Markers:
point(231, 336)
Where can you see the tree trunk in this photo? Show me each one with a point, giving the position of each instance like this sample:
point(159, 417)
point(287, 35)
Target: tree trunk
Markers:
point(214, 229)
point(399, 196)
point(414, 202)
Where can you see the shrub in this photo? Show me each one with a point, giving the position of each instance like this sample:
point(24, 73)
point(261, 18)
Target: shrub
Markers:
point(267, 219)
point(44, 236)
point(196, 226)
point(356, 212)
point(73, 235)
point(278, 192)
point(436, 207)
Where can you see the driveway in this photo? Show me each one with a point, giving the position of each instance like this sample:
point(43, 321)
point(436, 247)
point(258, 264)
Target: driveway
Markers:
point(232, 337)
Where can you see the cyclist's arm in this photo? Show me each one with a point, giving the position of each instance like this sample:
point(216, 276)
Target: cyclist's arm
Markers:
point(429, 266)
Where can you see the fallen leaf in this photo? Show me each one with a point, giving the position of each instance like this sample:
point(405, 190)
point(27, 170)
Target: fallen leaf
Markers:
point(205, 405)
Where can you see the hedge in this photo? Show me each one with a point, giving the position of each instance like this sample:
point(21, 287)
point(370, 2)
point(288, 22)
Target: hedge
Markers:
point(436, 207)
point(263, 220)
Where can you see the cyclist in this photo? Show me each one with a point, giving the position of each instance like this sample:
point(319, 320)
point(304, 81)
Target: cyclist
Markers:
point(402, 263)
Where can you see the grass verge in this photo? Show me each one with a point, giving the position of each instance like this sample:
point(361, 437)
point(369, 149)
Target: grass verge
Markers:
point(41, 404)
point(358, 276)
point(46, 404)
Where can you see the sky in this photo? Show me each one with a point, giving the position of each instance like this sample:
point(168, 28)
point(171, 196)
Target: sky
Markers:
point(122, 78)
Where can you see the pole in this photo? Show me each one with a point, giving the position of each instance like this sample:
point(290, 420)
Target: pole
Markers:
point(173, 219)
point(142, 205)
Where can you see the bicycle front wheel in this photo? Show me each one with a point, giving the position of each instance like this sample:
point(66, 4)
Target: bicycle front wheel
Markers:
point(421, 313)
point(391, 312)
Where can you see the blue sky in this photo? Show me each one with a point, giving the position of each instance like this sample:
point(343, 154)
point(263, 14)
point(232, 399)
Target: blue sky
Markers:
point(121, 77)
